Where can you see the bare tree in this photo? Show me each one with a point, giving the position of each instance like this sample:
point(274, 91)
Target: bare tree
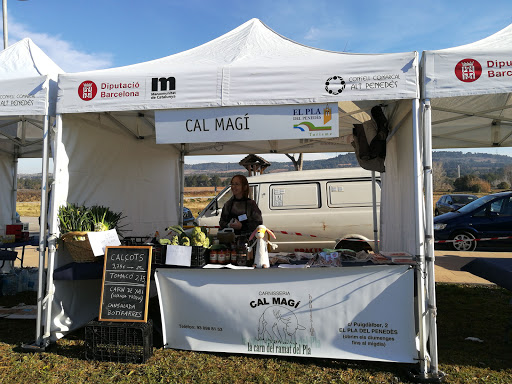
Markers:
point(297, 163)
point(438, 175)
point(507, 173)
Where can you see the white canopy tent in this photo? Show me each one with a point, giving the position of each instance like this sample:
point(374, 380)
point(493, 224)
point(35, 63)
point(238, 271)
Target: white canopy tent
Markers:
point(466, 103)
point(28, 93)
point(108, 149)
point(469, 91)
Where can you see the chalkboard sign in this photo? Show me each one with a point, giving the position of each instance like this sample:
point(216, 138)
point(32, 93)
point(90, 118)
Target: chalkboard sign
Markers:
point(125, 289)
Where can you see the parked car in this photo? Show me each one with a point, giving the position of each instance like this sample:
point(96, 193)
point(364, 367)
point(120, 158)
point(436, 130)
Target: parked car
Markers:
point(452, 202)
point(188, 217)
point(487, 217)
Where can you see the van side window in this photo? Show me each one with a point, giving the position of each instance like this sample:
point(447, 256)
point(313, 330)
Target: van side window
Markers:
point(294, 196)
point(351, 193)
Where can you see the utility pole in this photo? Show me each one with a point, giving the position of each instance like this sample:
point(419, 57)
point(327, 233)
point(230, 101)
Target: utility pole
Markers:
point(4, 18)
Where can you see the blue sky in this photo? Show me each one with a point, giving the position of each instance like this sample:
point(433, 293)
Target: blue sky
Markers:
point(98, 34)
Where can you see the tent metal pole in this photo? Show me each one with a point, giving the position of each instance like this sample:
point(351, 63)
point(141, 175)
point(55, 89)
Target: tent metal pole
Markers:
point(182, 184)
point(53, 231)
point(14, 195)
point(42, 231)
point(429, 234)
point(420, 256)
point(375, 226)
point(4, 23)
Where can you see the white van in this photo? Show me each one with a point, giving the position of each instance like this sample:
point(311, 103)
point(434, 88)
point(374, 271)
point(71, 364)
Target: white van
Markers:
point(310, 210)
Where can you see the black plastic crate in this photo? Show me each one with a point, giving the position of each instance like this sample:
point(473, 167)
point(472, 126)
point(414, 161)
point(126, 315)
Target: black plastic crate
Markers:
point(198, 258)
point(121, 342)
point(158, 253)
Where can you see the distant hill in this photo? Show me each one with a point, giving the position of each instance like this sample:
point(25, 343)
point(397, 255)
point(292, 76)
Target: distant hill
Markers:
point(469, 163)
point(478, 163)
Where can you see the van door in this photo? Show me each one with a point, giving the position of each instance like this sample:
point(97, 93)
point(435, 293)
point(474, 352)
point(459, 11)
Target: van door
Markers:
point(291, 210)
point(350, 205)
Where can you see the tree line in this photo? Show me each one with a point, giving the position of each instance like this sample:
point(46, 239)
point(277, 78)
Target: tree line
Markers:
point(474, 182)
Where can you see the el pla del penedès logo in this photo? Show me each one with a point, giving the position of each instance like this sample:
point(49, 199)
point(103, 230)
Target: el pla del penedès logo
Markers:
point(87, 90)
point(468, 70)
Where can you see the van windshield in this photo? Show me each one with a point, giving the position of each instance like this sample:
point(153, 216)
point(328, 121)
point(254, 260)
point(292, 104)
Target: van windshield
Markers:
point(474, 205)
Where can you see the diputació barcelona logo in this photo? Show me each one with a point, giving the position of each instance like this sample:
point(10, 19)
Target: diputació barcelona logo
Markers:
point(87, 90)
point(468, 70)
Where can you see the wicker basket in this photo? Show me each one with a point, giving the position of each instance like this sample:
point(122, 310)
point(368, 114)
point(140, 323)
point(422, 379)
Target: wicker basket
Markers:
point(80, 250)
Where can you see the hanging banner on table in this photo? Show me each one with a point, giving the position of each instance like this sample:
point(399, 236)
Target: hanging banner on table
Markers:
point(248, 123)
point(358, 313)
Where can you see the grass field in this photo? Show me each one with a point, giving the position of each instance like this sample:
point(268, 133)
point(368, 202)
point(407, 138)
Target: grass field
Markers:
point(29, 201)
point(482, 312)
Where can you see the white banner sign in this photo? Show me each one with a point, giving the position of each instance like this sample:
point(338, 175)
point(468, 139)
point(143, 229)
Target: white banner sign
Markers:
point(358, 313)
point(247, 123)
point(27, 96)
point(461, 73)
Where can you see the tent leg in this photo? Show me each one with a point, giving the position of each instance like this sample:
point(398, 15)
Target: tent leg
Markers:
point(425, 280)
point(182, 184)
point(53, 231)
point(14, 196)
point(375, 226)
point(420, 256)
point(429, 231)
point(38, 344)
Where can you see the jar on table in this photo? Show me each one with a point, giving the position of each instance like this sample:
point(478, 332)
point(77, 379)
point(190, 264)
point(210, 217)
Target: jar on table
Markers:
point(233, 254)
point(221, 257)
point(214, 256)
point(242, 258)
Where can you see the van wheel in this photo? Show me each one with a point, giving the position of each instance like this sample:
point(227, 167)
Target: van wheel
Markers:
point(466, 242)
point(355, 245)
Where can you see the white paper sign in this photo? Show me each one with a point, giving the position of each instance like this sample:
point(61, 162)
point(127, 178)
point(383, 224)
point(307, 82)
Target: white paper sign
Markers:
point(301, 121)
point(178, 255)
point(100, 240)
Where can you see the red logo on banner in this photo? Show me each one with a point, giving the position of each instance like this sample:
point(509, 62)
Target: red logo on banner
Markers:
point(87, 90)
point(468, 70)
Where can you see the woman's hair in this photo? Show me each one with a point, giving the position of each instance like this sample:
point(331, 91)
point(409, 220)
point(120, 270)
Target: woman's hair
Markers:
point(245, 184)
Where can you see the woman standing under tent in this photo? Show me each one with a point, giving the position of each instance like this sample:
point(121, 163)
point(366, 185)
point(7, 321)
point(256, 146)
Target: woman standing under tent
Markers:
point(240, 212)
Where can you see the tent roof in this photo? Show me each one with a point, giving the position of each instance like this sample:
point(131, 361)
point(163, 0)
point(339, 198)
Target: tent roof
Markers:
point(25, 59)
point(28, 79)
point(469, 87)
point(482, 67)
point(28, 91)
point(250, 65)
